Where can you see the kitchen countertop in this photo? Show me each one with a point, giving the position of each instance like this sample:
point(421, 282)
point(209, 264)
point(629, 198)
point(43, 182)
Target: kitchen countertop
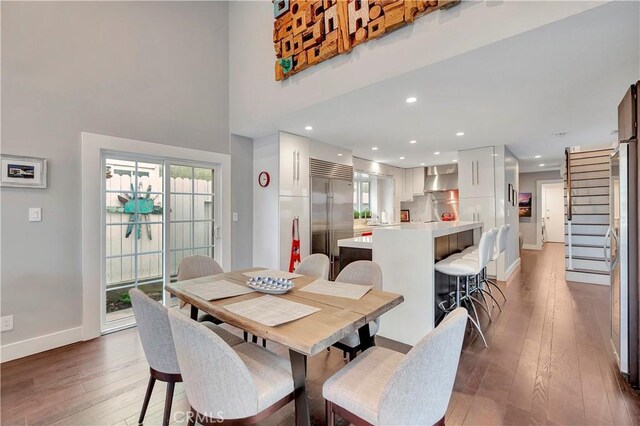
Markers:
point(380, 225)
point(433, 229)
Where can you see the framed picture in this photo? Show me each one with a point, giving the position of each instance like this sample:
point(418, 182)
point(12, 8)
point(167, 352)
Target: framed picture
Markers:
point(405, 216)
point(524, 204)
point(23, 172)
point(514, 197)
point(510, 193)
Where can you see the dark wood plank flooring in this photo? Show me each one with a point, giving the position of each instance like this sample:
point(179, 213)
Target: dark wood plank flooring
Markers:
point(548, 362)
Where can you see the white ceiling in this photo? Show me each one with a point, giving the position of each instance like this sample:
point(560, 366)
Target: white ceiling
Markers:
point(568, 77)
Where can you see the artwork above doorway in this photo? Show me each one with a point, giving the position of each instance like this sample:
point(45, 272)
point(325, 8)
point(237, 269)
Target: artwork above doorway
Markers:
point(307, 32)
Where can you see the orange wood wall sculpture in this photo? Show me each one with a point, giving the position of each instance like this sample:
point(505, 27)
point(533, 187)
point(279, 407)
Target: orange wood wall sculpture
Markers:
point(306, 32)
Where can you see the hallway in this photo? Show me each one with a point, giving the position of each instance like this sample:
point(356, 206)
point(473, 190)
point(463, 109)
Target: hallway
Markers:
point(547, 363)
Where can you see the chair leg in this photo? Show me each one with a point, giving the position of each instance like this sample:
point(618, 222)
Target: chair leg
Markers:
point(167, 403)
point(329, 415)
point(475, 324)
point(264, 343)
point(246, 336)
point(352, 354)
point(473, 299)
point(498, 288)
point(344, 354)
point(488, 293)
point(147, 396)
point(254, 339)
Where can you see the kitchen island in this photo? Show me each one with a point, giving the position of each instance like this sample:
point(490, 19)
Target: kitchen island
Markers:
point(407, 255)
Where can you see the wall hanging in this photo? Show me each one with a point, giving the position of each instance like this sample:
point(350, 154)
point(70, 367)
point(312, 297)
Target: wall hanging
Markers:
point(23, 172)
point(307, 32)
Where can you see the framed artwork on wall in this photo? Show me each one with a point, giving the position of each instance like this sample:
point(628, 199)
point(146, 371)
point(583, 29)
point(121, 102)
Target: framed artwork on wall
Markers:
point(524, 204)
point(23, 172)
point(405, 216)
point(510, 193)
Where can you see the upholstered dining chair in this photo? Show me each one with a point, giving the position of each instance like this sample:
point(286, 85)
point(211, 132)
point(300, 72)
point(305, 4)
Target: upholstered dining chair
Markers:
point(315, 265)
point(361, 272)
point(155, 334)
point(383, 387)
point(242, 384)
point(198, 266)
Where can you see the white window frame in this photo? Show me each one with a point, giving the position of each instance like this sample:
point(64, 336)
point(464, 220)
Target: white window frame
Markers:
point(93, 147)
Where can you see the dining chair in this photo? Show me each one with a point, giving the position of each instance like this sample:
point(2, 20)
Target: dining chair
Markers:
point(315, 265)
point(198, 266)
point(382, 386)
point(361, 272)
point(242, 384)
point(155, 334)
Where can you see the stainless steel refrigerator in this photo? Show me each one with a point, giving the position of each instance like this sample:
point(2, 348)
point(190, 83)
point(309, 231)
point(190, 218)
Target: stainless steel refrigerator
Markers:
point(621, 246)
point(331, 209)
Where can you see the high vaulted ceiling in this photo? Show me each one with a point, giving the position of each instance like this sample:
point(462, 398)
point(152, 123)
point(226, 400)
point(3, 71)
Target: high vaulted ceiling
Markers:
point(567, 77)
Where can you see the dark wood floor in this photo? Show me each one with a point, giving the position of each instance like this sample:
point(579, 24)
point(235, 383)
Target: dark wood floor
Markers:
point(547, 363)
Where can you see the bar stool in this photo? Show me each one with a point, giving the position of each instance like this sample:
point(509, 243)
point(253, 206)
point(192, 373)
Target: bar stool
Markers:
point(459, 267)
point(500, 247)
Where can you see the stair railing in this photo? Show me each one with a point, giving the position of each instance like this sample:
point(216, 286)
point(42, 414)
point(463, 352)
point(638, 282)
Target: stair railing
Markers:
point(567, 159)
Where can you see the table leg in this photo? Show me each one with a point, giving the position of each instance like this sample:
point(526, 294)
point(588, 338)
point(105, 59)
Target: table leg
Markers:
point(366, 341)
point(194, 313)
point(299, 371)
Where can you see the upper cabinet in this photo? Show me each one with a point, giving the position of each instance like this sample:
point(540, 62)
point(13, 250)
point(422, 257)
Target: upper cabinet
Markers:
point(294, 165)
point(407, 189)
point(476, 172)
point(418, 181)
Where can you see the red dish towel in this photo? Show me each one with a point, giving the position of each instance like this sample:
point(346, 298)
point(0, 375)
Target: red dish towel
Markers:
point(367, 234)
point(295, 245)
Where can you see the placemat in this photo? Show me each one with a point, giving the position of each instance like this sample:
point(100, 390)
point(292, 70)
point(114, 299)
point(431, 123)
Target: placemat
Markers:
point(337, 289)
point(270, 310)
point(214, 290)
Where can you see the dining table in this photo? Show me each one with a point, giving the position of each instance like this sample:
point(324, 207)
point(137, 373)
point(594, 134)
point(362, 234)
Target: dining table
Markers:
point(335, 319)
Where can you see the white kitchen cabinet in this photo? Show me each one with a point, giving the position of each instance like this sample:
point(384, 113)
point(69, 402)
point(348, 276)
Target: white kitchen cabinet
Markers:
point(407, 189)
point(291, 207)
point(294, 165)
point(476, 172)
point(418, 181)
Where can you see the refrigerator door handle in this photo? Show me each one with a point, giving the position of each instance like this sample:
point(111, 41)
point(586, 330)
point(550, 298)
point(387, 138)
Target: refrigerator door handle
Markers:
point(607, 259)
point(614, 240)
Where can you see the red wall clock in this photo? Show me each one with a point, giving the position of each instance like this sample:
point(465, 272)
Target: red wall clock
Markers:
point(264, 179)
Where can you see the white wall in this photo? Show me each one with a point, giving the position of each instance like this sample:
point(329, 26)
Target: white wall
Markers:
point(421, 208)
point(242, 201)
point(256, 98)
point(528, 183)
point(266, 202)
point(148, 71)
point(511, 256)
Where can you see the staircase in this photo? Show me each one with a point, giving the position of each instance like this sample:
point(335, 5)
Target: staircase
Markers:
point(586, 176)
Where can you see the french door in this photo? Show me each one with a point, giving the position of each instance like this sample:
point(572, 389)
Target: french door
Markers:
point(156, 212)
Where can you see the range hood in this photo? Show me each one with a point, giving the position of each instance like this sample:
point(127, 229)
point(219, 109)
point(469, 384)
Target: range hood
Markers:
point(441, 178)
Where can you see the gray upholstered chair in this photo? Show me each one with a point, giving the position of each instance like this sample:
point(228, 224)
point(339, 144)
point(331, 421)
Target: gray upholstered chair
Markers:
point(362, 272)
point(316, 265)
point(195, 267)
point(384, 387)
point(155, 334)
point(245, 383)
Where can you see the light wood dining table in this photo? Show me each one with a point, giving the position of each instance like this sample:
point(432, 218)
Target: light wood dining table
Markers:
point(337, 318)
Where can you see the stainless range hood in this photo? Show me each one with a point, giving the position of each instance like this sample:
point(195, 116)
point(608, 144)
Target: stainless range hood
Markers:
point(441, 178)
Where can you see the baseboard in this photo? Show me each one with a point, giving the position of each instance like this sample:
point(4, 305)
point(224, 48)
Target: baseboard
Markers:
point(531, 247)
point(514, 267)
point(39, 344)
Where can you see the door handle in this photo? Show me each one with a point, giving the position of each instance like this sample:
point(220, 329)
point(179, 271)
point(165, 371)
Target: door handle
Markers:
point(607, 260)
point(473, 174)
point(298, 165)
point(293, 165)
point(477, 172)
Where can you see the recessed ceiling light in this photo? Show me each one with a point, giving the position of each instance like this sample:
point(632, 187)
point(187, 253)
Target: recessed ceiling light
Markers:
point(560, 134)
point(460, 134)
point(455, 161)
point(339, 155)
point(411, 99)
point(402, 158)
point(412, 141)
point(436, 153)
point(537, 156)
point(308, 128)
point(375, 148)
point(541, 165)
point(422, 164)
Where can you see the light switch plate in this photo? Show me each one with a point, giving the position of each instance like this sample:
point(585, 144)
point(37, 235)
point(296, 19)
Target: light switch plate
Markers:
point(35, 214)
point(235, 216)
point(6, 323)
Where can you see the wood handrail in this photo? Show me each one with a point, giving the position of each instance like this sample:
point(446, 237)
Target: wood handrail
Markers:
point(567, 159)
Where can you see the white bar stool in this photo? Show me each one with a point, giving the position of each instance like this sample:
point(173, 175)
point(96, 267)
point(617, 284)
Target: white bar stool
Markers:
point(459, 267)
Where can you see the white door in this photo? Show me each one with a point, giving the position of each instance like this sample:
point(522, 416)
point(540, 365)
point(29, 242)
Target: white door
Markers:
point(553, 212)
point(294, 165)
point(476, 172)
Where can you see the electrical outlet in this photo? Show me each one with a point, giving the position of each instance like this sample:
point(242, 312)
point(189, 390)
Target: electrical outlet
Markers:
point(6, 323)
